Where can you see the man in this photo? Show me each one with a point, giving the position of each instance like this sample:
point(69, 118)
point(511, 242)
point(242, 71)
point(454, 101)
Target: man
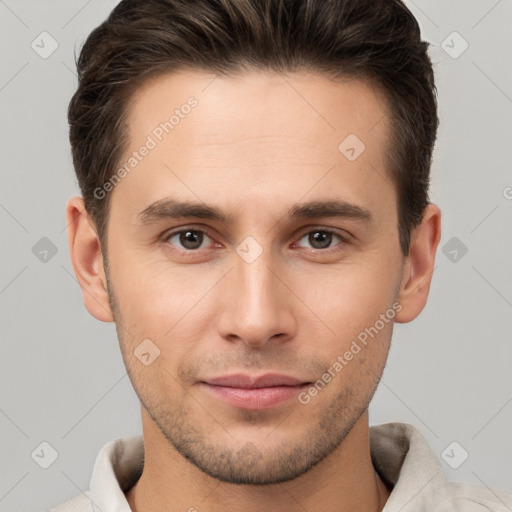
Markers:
point(254, 219)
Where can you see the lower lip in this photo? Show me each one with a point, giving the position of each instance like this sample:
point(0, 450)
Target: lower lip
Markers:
point(255, 398)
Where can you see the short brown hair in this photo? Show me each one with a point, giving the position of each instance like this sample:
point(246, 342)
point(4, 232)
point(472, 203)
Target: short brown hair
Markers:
point(374, 40)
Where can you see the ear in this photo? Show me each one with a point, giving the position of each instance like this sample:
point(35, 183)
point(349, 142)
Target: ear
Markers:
point(419, 265)
point(87, 260)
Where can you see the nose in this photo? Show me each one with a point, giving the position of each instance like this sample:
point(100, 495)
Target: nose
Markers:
point(257, 305)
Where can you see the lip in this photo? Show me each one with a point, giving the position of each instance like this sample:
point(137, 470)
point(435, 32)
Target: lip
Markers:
point(254, 392)
point(242, 380)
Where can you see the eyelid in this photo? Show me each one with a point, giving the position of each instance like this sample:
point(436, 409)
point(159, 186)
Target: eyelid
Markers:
point(345, 238)
point(175, 231)
point(344, 235)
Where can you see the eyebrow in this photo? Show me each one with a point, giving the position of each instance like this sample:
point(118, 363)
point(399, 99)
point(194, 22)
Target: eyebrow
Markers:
point(169, 208)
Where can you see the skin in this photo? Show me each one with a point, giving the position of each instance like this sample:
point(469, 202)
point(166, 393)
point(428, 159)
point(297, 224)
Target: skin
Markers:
point(256, 144)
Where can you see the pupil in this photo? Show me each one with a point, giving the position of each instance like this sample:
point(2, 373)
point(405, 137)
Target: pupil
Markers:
point(324, 238)
point(191, 239)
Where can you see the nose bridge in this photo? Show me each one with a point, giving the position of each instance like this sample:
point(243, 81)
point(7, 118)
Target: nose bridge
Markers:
point(258, 280)
point(257, 307)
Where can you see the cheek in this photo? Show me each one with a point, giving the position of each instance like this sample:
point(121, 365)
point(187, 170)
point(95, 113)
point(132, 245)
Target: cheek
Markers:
point(148, 286)
point(160, 302)
point(349, 299)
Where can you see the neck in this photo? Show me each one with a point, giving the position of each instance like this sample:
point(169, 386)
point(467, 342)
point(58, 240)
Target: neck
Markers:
point(344, 481)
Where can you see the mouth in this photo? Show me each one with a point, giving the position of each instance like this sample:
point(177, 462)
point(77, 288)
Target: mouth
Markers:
point(254, 392)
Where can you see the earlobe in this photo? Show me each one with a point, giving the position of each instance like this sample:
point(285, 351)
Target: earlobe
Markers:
point(419, 265)
point(87, 260)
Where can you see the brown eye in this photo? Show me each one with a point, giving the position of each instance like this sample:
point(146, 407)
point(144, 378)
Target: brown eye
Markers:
point(190, 239)
point(321, 238)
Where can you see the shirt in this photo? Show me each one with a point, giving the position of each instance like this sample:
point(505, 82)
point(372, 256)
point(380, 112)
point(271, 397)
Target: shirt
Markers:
point(399, 454)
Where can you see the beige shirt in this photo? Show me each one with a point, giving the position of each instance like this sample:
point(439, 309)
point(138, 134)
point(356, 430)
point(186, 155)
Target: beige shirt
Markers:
point(399, 453)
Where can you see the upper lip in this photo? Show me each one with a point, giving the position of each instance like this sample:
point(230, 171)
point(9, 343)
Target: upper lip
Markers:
point(242, 380)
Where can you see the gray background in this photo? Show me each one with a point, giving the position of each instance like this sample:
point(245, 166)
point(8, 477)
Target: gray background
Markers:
point(62, 379)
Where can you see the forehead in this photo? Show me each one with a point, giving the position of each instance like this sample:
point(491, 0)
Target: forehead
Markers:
point(260, 104)
point(248, 132)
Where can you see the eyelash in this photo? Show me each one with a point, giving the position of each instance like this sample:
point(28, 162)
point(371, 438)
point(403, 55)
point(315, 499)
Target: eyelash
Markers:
point(169, 235)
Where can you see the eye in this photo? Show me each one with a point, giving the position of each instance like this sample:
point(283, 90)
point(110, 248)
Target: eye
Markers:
point(322, 238)
point(190, 239)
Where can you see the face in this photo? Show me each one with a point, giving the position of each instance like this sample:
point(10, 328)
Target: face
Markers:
point(253, 239)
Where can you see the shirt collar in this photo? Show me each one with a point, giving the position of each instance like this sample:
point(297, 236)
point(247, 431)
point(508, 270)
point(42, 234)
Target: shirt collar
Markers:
point(407, 465)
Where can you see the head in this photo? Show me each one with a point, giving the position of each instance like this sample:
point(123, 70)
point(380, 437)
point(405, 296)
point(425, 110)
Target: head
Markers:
point(212, 146)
